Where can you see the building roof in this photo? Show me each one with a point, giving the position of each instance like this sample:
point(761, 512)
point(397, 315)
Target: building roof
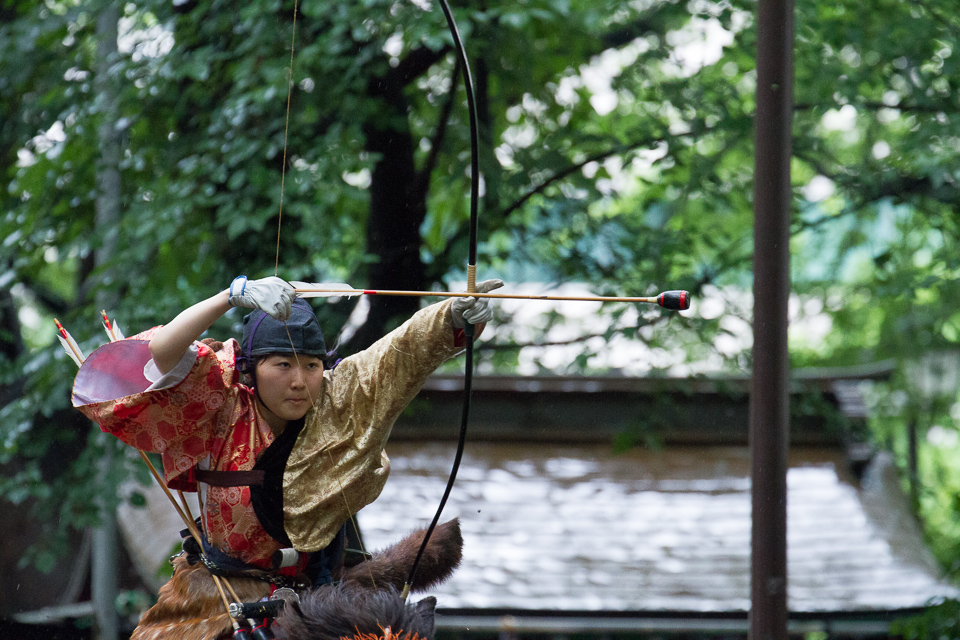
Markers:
point(580, 528)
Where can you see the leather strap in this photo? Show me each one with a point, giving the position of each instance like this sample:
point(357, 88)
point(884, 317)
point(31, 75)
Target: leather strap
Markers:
point(230, 478)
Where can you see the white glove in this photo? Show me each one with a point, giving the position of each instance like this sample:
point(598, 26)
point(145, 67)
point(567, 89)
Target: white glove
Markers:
point(272, 295)
point(474, 310)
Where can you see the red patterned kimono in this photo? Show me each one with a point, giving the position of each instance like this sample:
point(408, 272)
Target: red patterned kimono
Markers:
point(206, 418)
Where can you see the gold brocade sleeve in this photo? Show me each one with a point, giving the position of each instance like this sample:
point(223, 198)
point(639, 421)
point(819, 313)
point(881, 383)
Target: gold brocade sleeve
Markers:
point(338, 465)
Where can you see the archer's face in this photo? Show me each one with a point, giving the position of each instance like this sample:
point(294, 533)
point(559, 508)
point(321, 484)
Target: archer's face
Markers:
point(288, 386)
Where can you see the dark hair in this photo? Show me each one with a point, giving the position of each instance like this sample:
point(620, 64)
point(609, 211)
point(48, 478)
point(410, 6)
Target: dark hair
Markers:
point(248, 368)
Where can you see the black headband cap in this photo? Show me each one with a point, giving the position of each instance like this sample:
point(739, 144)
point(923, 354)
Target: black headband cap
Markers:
point(264, 335)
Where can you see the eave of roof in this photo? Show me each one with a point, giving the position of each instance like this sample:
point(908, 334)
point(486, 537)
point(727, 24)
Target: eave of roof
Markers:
point(510, 621)
point(705, 411)
point(802, 379)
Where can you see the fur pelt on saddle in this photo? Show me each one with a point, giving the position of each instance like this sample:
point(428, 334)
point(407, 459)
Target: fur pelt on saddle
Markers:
point(365, 605)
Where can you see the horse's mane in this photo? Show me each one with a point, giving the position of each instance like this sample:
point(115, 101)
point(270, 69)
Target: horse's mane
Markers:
point(345, 611)
point(366, 604)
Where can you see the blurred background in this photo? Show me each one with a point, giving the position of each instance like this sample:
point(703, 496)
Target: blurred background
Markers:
point(143, 146)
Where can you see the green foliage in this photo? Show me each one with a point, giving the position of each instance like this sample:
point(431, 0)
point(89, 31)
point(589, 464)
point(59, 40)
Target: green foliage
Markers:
point(610, 156)
point(940, 503)
point(200, 108)
point(940, 621)
point(879, 248)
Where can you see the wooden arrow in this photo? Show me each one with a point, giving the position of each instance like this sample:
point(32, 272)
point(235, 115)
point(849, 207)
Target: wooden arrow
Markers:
point(672, 300)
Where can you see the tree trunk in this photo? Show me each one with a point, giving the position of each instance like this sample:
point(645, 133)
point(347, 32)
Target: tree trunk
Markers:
point(11, 344)
point(397, 211)
point(489, 166)
point(104, 569)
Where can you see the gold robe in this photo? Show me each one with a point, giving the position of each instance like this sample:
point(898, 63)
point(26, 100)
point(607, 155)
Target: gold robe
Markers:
point(338, 464)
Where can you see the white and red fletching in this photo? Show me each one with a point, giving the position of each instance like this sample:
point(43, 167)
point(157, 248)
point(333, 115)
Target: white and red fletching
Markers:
point(69, 344)
point(325, 290)
point(112, 328)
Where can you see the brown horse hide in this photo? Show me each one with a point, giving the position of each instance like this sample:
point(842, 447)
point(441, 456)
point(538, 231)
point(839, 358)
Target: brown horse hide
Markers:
point(189, 606)
point(365, 604)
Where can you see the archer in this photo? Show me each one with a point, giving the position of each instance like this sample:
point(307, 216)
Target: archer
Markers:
point(286, 439)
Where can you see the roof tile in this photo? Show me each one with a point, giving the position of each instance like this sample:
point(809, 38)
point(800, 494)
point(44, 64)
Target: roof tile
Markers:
point(580, 528)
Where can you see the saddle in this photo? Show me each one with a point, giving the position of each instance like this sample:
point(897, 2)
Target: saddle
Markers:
point(363, 604)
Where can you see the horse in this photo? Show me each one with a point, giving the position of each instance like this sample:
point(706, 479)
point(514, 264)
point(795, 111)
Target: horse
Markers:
point(364, 602)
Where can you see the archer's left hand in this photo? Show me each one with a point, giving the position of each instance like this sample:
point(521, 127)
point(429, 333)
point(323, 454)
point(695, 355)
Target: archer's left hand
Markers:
point(474, 310)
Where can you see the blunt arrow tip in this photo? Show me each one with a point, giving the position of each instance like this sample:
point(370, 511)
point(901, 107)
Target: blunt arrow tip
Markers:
point(674, 300)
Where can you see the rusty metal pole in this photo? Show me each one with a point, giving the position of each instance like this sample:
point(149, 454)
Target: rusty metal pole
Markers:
point(770, 399)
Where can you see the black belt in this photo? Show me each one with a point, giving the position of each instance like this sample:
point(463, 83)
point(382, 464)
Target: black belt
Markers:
point(230, 478)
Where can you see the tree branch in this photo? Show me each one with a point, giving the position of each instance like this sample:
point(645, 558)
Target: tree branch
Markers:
point(414, 65)
point(876, 106)
point(658, 20)
point(899, 186)
point(944, 22)
point(436, 141)
point(573, 168)
point(512, 346)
